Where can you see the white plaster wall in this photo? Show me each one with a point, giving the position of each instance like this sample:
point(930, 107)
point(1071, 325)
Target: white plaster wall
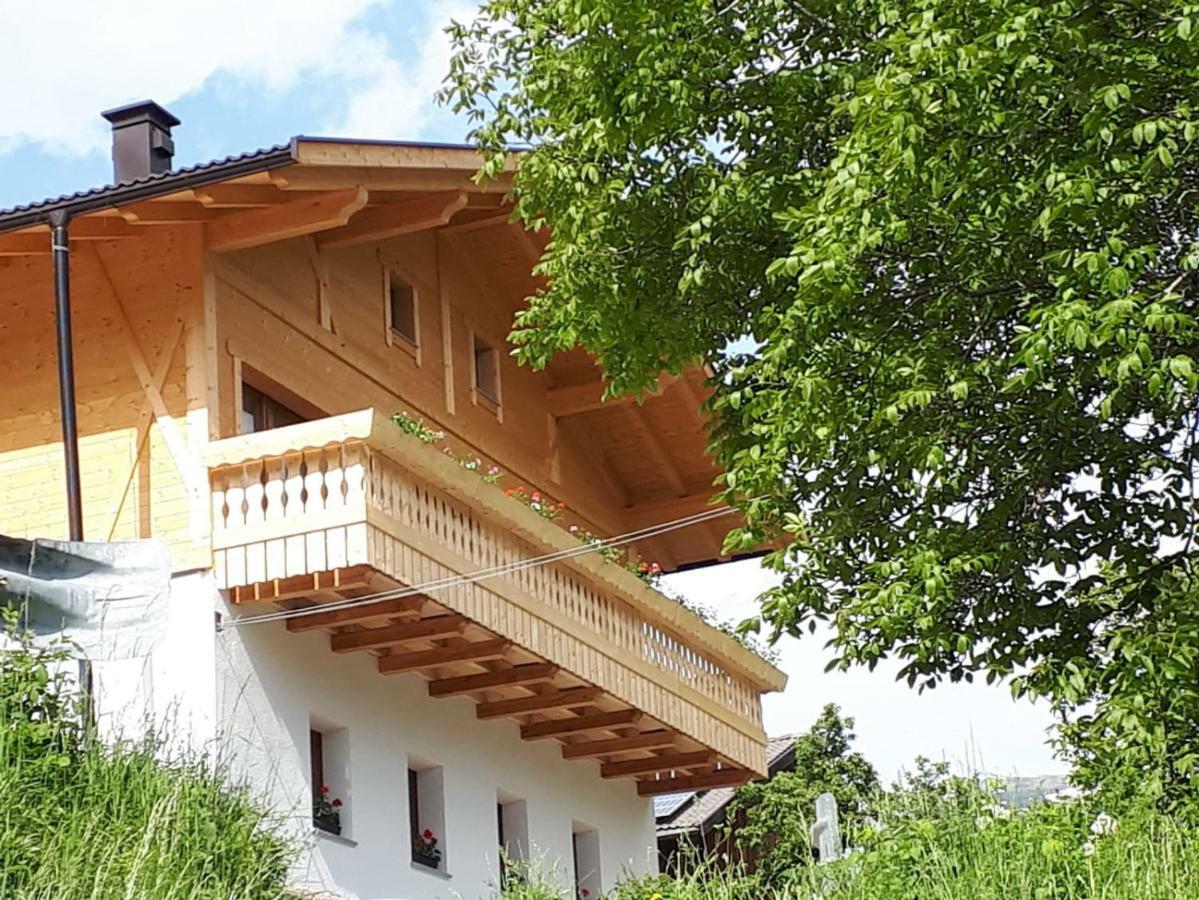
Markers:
point(172, 689)
point(270, 682)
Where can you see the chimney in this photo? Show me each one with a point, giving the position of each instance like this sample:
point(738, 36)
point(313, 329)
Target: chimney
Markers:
point(141, 140)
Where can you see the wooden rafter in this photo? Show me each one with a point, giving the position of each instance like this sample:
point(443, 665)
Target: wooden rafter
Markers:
point(429, 659)
point(239, 196)
point(575, 399)
point(382, 222)
point(606, 721)
point(25, 244)
point(568, 698)
point(303, 585)
point(649, 740)
point(667, 762)
point(636, 419)
point(164, 213)
point(352, 615)
point(529, 673)
point(101, 228)
point(383, 179)
point(701, 782)
point(249, 228)
point(422, 629)
point(654, 512)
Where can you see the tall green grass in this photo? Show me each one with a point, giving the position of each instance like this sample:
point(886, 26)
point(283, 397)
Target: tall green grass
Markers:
point(81, 821)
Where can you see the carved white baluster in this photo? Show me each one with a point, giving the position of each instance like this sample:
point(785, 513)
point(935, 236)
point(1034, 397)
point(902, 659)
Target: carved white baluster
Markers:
point(355, 489)
point(314, 506)
point(255, 518)
point(293, 510)
point(335, 501)
point(274, 512)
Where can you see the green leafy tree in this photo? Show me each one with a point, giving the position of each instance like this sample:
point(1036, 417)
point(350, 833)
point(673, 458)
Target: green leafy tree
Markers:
point(773, 817)
point(962, 237)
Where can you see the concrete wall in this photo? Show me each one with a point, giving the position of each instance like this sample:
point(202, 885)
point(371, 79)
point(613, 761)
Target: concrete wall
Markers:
point(273, 684)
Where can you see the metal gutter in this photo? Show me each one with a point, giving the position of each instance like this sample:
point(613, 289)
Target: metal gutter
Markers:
point(155, 186)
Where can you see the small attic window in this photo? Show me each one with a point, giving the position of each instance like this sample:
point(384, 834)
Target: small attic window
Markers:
point(401, 310)
point(486, 370)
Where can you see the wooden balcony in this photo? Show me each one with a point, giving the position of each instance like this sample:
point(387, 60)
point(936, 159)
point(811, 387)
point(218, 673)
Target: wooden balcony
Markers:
point(576, 650)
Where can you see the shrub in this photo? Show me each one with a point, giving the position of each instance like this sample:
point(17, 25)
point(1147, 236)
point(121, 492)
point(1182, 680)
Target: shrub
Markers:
point(81, 821)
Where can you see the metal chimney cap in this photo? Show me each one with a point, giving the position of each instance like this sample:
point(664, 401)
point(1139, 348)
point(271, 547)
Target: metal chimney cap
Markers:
point(144, 111)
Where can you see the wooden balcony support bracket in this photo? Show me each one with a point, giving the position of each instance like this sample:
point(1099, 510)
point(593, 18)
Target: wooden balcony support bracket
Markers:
point(648, 740)
point(376, 638)
point(556, 728)
point(719, 778)
point(667, 762)
point(568, 698)
point(382, 222)
point(357, 614)
point(290, 588)
point(529, 673)
point(478, 651)
point(252, 227)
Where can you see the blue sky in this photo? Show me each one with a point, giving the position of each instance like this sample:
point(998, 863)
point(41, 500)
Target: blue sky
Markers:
point(240, 75)
point(243, 74)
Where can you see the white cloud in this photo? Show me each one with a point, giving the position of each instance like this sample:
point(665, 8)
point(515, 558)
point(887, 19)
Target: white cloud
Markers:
point(64, 62)
point(393, 98)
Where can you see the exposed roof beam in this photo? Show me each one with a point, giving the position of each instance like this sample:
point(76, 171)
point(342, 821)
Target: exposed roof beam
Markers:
point(374, 638)
point(659, 453)
point(530, 673)
point(719, 778)
point(653, 513)
point(353, 615)
point(235, 196)
point(502, 218)
point(250, 228)
point(382, 222)
point(380, 179)
point(574, 399)
point(578, 724)
point(650, 740)
point(428, 659)
point(101, 228)
point(563, 699)
point(164, 213)
point(669, 762)
point(25, 244)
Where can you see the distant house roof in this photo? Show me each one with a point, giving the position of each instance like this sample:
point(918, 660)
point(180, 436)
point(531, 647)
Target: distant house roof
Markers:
point(682, 813)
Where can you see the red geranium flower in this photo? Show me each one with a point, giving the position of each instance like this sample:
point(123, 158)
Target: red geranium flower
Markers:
point(324, 788)
point(337, 801)
point(428, 834)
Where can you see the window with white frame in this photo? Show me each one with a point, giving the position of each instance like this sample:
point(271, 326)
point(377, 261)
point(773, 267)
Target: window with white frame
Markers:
point(512, 827)
point(585, 847)
point(329, 765)
point(426, 814)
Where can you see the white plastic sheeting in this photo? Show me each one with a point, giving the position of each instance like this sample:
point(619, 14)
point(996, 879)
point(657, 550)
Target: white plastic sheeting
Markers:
point(109, 600)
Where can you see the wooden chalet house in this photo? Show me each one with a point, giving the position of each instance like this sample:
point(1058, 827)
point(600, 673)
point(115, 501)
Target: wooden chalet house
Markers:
point(212, 357)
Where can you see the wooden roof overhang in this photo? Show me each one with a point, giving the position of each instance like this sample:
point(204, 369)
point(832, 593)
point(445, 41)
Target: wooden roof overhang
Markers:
point(650, 453)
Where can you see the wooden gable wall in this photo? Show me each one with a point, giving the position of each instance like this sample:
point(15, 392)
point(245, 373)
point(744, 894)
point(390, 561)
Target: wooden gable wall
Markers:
point(136, 328)
point(313, 323)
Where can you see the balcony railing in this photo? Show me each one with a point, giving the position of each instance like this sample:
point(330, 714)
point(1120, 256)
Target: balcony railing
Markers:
point(353, 490)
